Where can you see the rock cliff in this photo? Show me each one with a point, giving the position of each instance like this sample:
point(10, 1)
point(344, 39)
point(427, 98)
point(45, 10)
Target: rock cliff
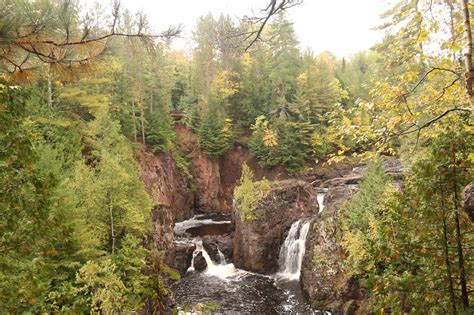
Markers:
point(169, 188)
point(257, 242)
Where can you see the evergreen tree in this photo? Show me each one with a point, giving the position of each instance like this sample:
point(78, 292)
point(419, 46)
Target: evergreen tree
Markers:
point(215, 135)
point(35, 230)
point(160, 134)
point(410, 246)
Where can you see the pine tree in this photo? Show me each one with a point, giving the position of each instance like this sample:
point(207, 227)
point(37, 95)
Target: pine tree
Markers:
point(215, 134)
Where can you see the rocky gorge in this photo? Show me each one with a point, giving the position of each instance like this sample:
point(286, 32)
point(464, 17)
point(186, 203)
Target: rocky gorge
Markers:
point(200, 207)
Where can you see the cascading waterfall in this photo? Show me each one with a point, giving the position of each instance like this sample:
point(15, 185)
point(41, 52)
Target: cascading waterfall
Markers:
point(239, 291)
point(320, 198)
point(222, 260)
point(222, 270)
point(200, 249)
point(191, 268)
point(292, 250)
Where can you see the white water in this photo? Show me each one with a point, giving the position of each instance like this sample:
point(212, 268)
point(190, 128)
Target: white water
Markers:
point(222, 260)
point(221, 270)
point(292, 250)
point(320, 198)
point(191, 268)
point(240, 291)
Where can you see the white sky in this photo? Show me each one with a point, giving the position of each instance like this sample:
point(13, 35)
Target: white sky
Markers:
point(340, 26)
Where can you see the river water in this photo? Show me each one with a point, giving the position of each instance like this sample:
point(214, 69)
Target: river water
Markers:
point(236, 291)
point(246, 293)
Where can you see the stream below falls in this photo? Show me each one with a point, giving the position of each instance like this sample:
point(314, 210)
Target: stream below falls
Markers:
point(237, 291)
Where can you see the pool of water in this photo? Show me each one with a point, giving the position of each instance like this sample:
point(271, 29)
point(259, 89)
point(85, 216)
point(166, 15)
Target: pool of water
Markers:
point(240, 292)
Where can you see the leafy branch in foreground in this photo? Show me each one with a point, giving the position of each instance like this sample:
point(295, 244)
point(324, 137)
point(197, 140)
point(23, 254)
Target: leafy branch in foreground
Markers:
point(51, 33)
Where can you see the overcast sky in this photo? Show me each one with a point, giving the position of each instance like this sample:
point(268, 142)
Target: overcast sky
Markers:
point(341, 26)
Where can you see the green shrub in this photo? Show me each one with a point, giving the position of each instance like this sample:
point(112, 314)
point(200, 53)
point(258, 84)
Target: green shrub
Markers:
point(249, 193)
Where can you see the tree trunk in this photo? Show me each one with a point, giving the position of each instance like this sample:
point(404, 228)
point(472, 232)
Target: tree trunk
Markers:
point(142, 122)
point(462, 270)
point(140, 100)
point(151, 100)
point(134, 119)
point(142, 116)
point(50, 87)
point(468, 53)
point(112, 231)
point(452, 296)
point(453, 30)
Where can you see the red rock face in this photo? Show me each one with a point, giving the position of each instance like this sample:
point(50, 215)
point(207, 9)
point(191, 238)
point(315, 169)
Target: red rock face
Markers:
point(323, 277)
point(166, 184)
point(230, 166)
point(178, 197)
point(209, 191)
point(170, 190)
point(207, 183)
point(257, 242)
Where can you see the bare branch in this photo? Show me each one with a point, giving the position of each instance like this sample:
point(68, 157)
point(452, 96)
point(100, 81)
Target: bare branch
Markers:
point(274, 7)
point(115, 14)
point(425, 76)
point(445, 89)
point(429, 122)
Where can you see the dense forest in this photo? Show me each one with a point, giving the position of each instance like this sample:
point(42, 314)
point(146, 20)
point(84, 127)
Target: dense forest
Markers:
point(82, 93)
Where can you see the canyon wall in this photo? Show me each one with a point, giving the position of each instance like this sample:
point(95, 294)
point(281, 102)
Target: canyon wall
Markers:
point(178, 196)
point(257, 242)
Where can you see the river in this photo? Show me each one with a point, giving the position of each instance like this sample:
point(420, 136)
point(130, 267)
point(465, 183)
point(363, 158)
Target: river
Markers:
point(235, 291)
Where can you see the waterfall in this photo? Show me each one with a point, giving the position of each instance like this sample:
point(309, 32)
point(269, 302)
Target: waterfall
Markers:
point(200, 249)
point(222, 270)
point(207, 258)
point(221, 257)
point(191, 268)
point(292, 250)
point(320, 198)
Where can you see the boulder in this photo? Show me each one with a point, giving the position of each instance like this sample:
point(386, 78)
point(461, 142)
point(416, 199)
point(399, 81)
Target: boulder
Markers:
point(200, 263)
point(468, 200)
point(257, 242)
point(212, 243)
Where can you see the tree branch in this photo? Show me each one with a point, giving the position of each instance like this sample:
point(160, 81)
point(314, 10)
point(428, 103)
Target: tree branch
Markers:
point(429, 122)
point(425, 76)
point(273, 8)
